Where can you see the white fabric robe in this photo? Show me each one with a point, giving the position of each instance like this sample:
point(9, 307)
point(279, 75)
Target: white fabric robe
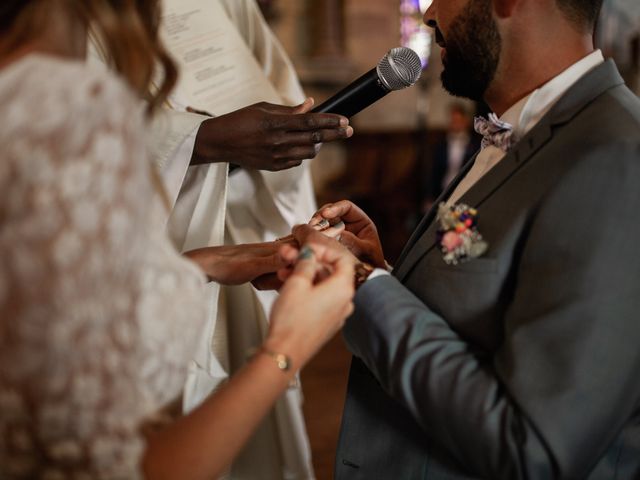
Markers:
point(260, 207)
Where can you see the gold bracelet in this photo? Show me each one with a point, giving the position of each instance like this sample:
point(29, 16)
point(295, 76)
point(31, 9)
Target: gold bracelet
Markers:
point(282, 361)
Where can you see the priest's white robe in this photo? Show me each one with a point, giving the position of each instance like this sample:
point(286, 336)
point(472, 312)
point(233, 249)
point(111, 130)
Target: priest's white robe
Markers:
point(260, 206)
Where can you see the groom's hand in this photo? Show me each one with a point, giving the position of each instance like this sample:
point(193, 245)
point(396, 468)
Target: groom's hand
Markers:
point(360, 235)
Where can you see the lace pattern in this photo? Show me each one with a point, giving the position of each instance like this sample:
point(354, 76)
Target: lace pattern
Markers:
point(98, 314)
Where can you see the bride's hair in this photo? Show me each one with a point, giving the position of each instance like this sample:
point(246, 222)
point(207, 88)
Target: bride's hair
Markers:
point(125, 31)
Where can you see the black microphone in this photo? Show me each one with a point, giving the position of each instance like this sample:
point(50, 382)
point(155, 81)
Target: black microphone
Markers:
point(399, 68)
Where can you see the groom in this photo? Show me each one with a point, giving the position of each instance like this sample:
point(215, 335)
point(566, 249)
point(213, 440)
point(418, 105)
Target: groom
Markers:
point(506, 343)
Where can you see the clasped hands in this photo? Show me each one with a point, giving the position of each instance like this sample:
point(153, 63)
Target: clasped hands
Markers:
point(352, 238)
point(314, 273)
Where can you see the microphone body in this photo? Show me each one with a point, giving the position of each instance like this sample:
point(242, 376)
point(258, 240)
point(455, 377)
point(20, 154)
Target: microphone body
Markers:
point(356, 97)
point(399, 68)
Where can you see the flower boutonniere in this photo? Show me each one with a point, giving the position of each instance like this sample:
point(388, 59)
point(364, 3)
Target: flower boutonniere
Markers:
point(458, 235)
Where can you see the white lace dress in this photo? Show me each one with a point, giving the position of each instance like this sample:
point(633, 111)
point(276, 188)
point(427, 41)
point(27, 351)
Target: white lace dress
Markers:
point(98, 315)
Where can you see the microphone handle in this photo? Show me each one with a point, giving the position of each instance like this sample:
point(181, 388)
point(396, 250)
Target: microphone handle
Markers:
point(355, 97)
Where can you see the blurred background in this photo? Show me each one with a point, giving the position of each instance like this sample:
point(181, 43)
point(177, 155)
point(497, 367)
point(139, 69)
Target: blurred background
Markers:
point(405, 146)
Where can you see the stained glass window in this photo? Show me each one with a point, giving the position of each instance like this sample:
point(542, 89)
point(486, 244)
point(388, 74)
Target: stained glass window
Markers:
point(414, 34)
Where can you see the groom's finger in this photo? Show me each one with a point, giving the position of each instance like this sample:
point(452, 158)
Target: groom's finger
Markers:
point(351, 242)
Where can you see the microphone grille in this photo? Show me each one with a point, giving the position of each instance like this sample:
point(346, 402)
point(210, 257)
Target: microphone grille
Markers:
point(399, 68)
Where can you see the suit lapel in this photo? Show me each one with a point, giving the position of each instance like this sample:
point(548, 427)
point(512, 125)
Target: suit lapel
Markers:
point(431, 214)
point(593, 84)
point(477, 194)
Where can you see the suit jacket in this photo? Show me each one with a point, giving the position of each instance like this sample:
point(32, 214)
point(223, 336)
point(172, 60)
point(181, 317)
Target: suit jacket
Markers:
point(525, 362)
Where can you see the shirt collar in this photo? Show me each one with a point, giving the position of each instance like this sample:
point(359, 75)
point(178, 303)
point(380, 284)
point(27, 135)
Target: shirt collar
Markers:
point(528, 111)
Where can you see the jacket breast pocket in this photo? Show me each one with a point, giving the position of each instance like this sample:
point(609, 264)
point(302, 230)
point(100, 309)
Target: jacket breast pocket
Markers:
point(469, 296)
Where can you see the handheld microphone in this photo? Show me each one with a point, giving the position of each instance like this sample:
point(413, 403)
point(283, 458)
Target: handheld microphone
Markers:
point(399, 68)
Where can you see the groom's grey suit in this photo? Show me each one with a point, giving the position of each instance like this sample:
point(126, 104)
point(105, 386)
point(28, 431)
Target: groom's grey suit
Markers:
point(524, 363)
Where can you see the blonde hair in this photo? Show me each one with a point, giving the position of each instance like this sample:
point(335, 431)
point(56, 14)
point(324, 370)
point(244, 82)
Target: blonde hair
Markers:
point(126, 32)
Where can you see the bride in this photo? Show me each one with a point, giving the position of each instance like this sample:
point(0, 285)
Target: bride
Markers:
point(98, 314)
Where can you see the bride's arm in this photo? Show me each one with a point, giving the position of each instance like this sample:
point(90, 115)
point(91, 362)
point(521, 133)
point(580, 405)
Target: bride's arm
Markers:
point(202, 444)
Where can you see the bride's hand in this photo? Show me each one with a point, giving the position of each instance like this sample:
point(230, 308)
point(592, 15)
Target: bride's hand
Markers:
point(311, 308)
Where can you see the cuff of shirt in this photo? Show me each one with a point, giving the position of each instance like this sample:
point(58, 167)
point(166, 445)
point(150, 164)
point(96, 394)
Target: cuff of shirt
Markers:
point(378, 272)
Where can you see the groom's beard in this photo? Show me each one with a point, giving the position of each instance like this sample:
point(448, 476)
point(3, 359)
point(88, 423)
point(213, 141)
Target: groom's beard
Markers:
point(472, 51)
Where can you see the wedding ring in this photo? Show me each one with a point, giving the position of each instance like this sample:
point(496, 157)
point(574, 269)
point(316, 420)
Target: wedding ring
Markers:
point(306, 253)
point(322, 225)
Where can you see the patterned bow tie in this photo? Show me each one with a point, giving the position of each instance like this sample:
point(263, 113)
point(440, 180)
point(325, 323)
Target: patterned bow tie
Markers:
point(494, 132)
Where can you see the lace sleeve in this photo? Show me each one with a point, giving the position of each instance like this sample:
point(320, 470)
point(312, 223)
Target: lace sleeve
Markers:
point(74, 192)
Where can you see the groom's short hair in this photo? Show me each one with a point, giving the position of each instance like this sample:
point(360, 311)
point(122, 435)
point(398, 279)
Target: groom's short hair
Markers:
point(582, 13)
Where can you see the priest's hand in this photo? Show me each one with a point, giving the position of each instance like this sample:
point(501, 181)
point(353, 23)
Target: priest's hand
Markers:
point(268, 137)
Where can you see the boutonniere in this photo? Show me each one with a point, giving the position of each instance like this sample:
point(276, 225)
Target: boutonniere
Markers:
point(458, 235)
